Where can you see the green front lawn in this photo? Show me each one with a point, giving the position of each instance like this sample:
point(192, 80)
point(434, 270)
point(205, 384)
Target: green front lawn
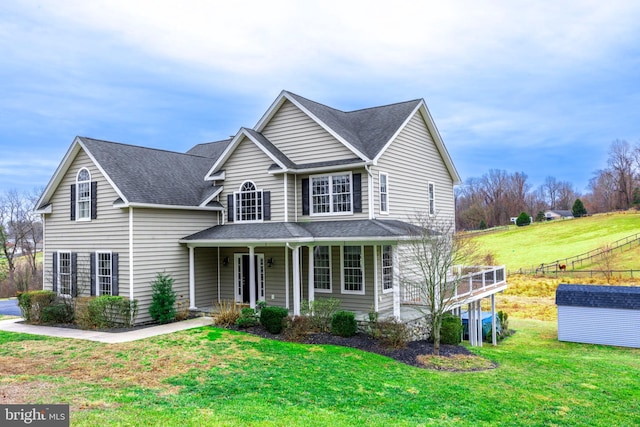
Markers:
point(210, 376)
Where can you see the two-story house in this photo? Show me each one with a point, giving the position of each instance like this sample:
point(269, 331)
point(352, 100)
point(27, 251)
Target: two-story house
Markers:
point(311, 202)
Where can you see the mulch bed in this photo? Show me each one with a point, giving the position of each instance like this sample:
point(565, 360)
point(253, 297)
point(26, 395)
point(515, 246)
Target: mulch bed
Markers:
point(361, 341)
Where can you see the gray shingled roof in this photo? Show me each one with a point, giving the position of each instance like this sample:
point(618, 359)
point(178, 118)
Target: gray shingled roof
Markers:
point(352, 230)
point(624, 297)
point(211, 150)
point(366, 130)
point(148, 175)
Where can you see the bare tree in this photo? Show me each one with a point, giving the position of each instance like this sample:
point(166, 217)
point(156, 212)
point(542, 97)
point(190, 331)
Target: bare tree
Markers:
point(621, 161)
point(550, 190)
point(428, 271)
point(606, 262)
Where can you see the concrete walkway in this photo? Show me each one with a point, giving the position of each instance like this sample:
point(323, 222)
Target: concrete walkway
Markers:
point(14, 325)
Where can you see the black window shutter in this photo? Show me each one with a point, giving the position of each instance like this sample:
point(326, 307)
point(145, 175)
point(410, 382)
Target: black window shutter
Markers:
point(94, 199)
point(74, 274)
point(92, 269)
point(115, 289)
point(305, 196)
point(229, 207)
point(54, 269)
point(266, 205)
point(73, 202)
point(357, 192)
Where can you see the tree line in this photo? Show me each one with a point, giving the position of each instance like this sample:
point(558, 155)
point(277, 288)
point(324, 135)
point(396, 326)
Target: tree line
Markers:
point(497, 196)
point(20, 241)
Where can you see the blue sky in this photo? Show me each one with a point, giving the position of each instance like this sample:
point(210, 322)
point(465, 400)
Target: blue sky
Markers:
point(535, 87)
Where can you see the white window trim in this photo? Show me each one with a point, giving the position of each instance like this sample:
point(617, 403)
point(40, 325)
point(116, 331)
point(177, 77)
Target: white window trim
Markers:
point(430, 194)
point(330, 176)
point(390, 290)
point(386, 175)
point(236, 204)
point(362, 270)
point(77, 201)
point(97, 266)
point(322, 290)
point(59, 278)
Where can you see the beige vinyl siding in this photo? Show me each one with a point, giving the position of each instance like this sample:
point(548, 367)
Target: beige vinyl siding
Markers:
point(301, 139)
point(108, 232)
point(248, 162)
point(336, 217)
point(156, 249)
point(412, 161)
point(351, 302)
point(206, 277)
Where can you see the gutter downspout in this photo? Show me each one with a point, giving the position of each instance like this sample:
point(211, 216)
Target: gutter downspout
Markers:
point(370, 190)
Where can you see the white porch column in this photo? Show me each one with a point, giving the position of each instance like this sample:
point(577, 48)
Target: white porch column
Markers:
point(396, 283)
point(192, 279)
point(479, 302)
point(376, 278)
point(296, 281)
point(311, 275)
point(494, 339)
point(252, 277)
point(471, 325)
point(286, 276)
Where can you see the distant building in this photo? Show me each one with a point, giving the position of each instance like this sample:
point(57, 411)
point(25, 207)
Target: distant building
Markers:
point(558, 214)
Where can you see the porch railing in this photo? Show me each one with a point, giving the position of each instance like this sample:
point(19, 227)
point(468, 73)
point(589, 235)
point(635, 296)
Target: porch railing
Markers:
point(467, 282)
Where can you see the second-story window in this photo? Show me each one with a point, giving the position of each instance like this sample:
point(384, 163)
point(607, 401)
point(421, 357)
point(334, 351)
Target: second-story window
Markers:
point(248, 203)
point(331, 194)
point(432, 198)
point(384, 193)
point(83, 199)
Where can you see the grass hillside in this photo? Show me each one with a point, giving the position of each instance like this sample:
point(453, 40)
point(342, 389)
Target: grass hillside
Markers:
point(526, 247)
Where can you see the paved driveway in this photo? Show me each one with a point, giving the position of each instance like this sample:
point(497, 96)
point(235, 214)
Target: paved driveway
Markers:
point(9, 307)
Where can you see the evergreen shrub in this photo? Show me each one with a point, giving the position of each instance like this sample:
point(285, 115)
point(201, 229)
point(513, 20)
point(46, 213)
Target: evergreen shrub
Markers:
point(344, 324)
point(272, 318)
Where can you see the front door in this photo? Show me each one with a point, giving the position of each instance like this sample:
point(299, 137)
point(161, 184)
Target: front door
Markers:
point(242, 278)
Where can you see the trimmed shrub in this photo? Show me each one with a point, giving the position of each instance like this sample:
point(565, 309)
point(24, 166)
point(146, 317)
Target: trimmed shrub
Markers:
point(107, 311)
point(32, 303)
point(344, 324)
point(57, 313)
point(163, 299)
point(297, 328)
point(271, 318)
point(247, 319)
point(451, 330)
point(320, 312)
point(227, 314)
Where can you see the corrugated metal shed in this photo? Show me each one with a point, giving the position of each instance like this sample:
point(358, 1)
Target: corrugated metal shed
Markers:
point(607, 315)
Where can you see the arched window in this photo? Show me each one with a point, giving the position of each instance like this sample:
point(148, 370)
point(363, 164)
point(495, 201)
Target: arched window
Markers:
point(83, 198)
point(248, 203)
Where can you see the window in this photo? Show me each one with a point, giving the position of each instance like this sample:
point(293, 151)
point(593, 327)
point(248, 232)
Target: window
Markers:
point(248, 203)
point(432, 198)
point(384, 203)
point(352, 270)
point(83, 199)
point(331, 194)
point(64, 273)
point(103, 273)
point(322, 268)
point(387, 268)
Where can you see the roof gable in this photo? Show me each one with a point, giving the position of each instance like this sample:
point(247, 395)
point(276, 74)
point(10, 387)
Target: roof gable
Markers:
point(140, 175)
point(260, 141)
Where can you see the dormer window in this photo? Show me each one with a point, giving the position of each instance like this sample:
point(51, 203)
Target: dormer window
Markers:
point(83, 199)
point(248, 203)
